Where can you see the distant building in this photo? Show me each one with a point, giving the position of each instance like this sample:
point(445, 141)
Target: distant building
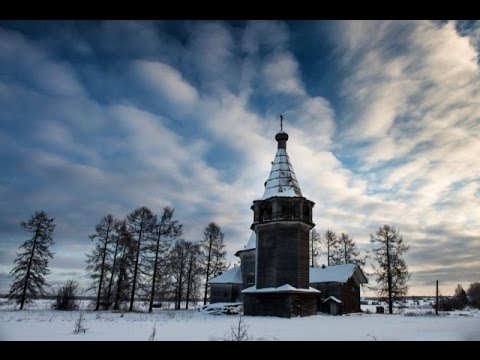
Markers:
point(274, 277)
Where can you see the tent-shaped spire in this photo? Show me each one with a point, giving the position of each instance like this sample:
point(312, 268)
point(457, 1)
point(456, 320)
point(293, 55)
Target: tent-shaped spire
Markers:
point(282, 180)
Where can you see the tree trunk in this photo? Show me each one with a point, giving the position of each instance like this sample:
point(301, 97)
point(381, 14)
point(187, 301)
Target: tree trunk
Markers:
point(111, 276)
point(121, 275)
point(389, 277)
point(152, 294)
point(102, 270)
point(27, 276)
point(189, 280)
point(208, 270)
point(328, 252)
point(311, 245)
point(135, 270)
point(180, 283)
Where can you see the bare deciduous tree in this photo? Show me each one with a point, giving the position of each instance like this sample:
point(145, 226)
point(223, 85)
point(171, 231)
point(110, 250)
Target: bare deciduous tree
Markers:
point(391, 270)
point(213, 254)
point(350, 250)
point(334, 253)
point(31, 264)
point(164, 233)
point(192, 272)
point(141, 223)
point(314, 244)
point(124, 267)
point(98, 259)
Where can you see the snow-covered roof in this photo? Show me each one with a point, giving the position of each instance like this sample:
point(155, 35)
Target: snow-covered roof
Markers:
point(251, 244)
point(337, 273)
point(283, 288)
point(333, 298)
point(231, 276)
point(252, 241)
point(282, 180)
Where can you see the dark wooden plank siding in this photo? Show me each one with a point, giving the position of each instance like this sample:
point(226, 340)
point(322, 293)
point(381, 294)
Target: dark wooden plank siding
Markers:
point(280, 304)
point(247, 259)
point(225, 293)
point(283, 255)
point(348, 293)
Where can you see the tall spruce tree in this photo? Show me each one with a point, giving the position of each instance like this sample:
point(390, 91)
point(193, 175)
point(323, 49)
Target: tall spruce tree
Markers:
point(31, 264)
point(391, 270)
point(99, 261)
point(213, 254)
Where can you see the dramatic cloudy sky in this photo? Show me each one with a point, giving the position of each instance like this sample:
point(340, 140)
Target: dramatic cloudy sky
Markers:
point(383, 118)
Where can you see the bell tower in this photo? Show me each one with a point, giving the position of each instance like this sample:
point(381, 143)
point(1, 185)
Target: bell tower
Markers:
point(282, 220)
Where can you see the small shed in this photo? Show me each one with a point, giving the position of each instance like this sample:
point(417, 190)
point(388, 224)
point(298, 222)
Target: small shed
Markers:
point(340, 281)
point(333, 305)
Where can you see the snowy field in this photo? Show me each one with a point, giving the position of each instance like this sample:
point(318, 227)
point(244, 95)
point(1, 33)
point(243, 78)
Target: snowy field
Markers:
point(38, 322)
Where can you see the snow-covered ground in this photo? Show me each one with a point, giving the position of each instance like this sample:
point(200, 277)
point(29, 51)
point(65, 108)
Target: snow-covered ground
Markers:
point(38, 322)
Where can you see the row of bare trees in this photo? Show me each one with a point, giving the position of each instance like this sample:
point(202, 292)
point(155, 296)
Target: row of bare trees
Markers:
point(144, 256)
point(337, 249)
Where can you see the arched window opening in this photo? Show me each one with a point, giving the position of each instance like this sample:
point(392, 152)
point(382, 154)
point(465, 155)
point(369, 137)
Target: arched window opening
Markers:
point(306, 212)
point(266, 212)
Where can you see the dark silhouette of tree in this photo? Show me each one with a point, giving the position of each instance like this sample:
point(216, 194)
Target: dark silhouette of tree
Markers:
point(65, 299)
point(334, 253)
point(391, 270)
point(474, 294)
point(314, 243)
point(164, 233)
point(99, 259)
point(31, 264)
point(193, 271)
point(178, 261)
point(460, 297)
point(141, 223)
point(119, 231)
point(213, 254)
point(350, 250)
point(124, 267)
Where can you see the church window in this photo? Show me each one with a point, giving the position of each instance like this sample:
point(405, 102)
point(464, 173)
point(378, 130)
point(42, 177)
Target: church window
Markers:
point(287, 210)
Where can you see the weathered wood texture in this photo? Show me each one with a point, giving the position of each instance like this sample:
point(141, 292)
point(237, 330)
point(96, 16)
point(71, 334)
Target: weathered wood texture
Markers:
point(247, 263)
point(282, 254)
point(225, 293)
point(280, 304)
point(348, 293)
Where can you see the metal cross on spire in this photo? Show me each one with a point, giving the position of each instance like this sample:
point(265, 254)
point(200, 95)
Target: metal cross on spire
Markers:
point(281, 122)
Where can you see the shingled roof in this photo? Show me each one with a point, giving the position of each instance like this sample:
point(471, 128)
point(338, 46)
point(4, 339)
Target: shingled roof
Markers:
point(282, 180)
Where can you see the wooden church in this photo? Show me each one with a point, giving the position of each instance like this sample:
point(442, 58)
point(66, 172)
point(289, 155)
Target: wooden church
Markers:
point(274, 277)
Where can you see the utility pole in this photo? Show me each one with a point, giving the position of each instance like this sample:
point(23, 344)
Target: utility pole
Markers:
point(436, 303)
